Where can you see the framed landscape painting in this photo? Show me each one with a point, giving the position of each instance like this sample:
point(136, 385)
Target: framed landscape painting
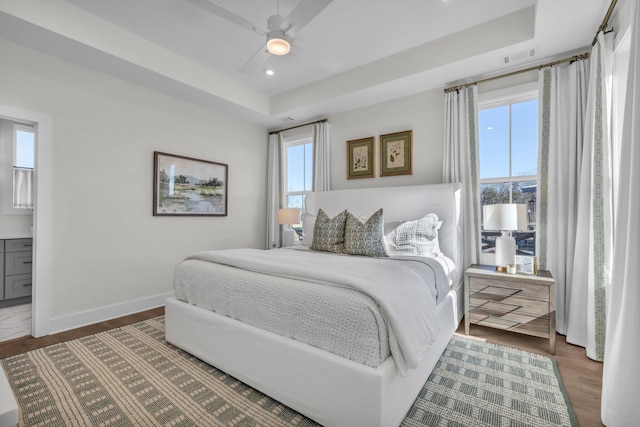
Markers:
point(395, 153)
point(360, 158)
point(184, 186)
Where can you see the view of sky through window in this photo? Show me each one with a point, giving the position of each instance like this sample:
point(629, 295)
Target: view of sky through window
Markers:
point(25, 144)
point(299, 173)
point(494, 132)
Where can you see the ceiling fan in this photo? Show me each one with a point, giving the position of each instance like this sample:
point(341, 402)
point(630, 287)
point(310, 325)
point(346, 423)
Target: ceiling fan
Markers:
point(280, 32)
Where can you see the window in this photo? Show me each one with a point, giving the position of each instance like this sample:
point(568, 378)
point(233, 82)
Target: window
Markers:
point(508, 139)
point(298, 172)
point(18, 164)
point(24, 145)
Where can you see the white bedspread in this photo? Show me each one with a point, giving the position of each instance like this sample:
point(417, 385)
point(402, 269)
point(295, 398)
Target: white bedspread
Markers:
point(403, 288)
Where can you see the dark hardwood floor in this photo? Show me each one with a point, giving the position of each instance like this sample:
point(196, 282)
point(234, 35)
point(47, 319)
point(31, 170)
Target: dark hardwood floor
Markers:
point(582, 377)
point(21, 345)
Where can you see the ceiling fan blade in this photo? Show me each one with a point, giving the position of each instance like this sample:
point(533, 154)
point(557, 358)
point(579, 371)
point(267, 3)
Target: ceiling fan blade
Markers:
point(228, 15)
point(256, 61)
point(302, 14)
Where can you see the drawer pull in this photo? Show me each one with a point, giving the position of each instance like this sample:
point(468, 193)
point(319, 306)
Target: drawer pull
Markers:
point(26, 284)
point(516, 323)
point(27, 262)
point(28, 245)
point(505, 287)
point(506, 303)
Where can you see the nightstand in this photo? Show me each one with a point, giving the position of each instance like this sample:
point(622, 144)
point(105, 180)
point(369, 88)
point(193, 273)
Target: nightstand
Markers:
point(520, 303)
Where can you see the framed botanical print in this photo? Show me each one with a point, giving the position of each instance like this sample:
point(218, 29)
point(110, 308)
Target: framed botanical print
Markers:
point(184, 186)
point(395, 153)
point(360, 158)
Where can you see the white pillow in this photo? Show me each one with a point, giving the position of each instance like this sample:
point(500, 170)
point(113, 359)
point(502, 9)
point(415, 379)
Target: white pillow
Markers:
point(418, 237)
point(308, 224)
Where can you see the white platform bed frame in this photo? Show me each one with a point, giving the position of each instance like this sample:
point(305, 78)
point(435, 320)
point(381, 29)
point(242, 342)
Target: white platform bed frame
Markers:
point(327, 388)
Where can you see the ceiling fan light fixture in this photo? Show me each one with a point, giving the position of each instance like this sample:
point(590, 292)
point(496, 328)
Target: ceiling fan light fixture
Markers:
point(277, 44)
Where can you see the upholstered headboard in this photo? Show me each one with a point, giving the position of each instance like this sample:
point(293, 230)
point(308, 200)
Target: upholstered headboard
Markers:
point(402, 204)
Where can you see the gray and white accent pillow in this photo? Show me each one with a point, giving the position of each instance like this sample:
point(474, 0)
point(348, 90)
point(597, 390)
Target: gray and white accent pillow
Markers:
point(328, 233)
point(365, 239)
point(418, 237)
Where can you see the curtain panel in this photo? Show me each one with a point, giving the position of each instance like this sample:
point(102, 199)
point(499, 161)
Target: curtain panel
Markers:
point(273, 191)
point(460, 162)
point(321, 138)
point(563, 92)
point(23, 195)
point(322, 156)
point(575, 194)
point(594, 230)
point(621, 373)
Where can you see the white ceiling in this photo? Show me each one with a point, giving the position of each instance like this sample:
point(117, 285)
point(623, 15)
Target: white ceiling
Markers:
point(352, 54)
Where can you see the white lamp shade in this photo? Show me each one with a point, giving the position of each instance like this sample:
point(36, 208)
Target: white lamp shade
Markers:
point(523, 221)
point(501, 217)
point(288, 216)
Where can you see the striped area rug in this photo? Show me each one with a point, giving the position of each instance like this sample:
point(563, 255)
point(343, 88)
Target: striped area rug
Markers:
point(130, 377)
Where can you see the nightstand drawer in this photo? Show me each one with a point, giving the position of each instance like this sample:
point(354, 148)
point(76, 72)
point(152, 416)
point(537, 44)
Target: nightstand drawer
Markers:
point(530, 325)
point(492, 289)
point(531, 307)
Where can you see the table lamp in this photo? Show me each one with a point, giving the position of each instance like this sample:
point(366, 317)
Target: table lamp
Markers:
point(503, 218)
point(287, 217)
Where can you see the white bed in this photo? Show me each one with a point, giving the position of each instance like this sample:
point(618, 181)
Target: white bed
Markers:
point(331, 389)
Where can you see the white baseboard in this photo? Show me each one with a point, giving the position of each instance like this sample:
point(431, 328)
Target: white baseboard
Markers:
point(77, 320)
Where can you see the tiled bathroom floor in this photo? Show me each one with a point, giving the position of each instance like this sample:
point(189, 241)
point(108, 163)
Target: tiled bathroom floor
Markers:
point(15, 322)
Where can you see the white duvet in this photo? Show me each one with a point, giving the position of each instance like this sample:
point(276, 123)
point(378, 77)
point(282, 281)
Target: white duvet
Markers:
point(403, 288)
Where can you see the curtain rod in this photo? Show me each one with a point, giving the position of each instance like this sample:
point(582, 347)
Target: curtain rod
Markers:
point(605, 21)
point(513, 73)
point(298, 126)
point(602, 28)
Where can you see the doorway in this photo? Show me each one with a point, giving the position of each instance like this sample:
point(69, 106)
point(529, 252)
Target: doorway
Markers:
point(17, 157)
point(41, 249)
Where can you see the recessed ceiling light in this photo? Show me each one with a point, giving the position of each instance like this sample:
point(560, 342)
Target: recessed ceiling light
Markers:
point(269, 72)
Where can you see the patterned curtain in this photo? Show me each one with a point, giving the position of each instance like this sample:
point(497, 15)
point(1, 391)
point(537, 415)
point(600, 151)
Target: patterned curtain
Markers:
point(575, 195)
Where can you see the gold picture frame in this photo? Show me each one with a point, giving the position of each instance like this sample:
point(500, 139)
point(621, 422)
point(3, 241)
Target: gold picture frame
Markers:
point(360, 158)
point(526, 264)
point(395, 153)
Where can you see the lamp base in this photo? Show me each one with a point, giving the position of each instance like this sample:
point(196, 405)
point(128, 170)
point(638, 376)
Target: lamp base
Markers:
point(288, 236)
point(505, 251)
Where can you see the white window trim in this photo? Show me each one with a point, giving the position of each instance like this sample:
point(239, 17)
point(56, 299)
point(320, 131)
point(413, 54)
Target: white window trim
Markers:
point(510, 95)
point(10, 132)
